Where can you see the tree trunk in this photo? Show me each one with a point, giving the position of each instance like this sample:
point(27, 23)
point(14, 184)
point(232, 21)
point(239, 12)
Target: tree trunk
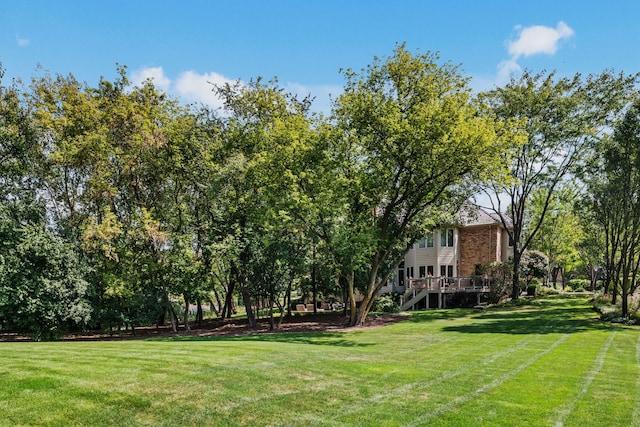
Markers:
point(199, 314)
point(287, 301)
point(282, 312)
point(186, 313)
point(246, 299)
point(271, 320)
point(515, 291)
point(172, 313)
point(352, 297)
point(217, 307)
point(624, 291)
point(227, 310)
point(593, 281)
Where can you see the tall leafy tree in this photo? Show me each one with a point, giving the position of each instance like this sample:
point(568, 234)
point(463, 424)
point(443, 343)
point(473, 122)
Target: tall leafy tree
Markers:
point(42, 287)
point(616, 203)
point(562, 118)
point(407, 144)
point(561, 231)
point(43, 291)
point(262, 136)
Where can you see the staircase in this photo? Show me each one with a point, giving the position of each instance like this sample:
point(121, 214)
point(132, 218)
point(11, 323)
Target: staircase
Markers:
point(414, 297)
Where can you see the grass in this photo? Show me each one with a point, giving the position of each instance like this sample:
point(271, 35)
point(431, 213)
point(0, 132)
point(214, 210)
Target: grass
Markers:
point(550, 364)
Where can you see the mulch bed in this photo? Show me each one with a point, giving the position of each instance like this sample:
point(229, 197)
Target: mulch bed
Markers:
point(321, 322)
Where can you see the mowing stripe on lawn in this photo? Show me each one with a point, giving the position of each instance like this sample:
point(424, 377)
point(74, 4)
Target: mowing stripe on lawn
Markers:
point(493, 384)
point(447, 375)
point(597, 367)
point(635, 419)
point(391, 394)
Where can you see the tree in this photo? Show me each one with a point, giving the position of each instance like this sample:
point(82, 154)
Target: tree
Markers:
point(263, 137)
point(43, 292)
point(116, 174)
point(534, 264)
point(42, 287)
point(616, 203)
point(562, 118)
point(408, 142)
point(560, 233)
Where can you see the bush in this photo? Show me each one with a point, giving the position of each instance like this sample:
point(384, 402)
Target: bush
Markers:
point(612, 313)
point(42, 287)
point(532, 290)
point(385, 304)
point(547, 290)
point(577, 284)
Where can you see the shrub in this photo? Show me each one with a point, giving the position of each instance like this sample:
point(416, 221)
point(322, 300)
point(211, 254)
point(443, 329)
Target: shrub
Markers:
point(42, 287)
point(547, 290)
point(385, 304)
point(501, 279)
point(579, 284)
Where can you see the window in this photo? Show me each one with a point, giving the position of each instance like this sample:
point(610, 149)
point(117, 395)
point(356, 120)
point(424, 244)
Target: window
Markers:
point(510, 239)
point(430, 270)
point(409, 272)
point(446, 270)
point(423, 271)
point(430, 240)
point(422, 243)
point(446, 238)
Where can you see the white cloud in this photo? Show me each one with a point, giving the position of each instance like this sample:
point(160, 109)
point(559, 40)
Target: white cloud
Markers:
point(506, 69)
point(156, 74)
point(533, 40)
point(22, 41)
point(193, 87)
point(539, 39)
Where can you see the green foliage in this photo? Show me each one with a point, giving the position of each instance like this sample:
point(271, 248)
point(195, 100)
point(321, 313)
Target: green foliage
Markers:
point(410, 144)
point(168, 203)
point(615, 193)
point(579, 284)
point(546, 291)
point(500, 275)
point(613, 312)
point(43, 292)
point(385, 304)
point(562, 117)
point(534, 264)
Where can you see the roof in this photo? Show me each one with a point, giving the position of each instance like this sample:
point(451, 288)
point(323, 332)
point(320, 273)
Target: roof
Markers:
point(473, 215)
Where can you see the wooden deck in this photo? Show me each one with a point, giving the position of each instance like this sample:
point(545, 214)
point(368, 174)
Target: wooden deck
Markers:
point(422, 289)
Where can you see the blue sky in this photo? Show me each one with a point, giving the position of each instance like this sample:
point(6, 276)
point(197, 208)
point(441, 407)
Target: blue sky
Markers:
point(185, 44)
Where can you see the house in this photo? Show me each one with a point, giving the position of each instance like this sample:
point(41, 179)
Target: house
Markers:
point(447, 260)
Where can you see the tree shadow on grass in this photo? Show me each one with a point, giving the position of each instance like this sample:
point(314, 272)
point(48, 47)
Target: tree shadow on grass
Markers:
point(540, 316)
point(337, 339)
point(532, 321)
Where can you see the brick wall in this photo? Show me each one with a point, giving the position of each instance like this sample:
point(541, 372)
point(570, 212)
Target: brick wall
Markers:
point(478, 245)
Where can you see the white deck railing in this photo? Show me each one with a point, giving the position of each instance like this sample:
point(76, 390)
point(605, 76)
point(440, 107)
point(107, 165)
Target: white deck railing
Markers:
point(447, 285)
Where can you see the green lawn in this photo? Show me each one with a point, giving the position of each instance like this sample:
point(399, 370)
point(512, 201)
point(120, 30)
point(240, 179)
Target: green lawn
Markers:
point(552, 364)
